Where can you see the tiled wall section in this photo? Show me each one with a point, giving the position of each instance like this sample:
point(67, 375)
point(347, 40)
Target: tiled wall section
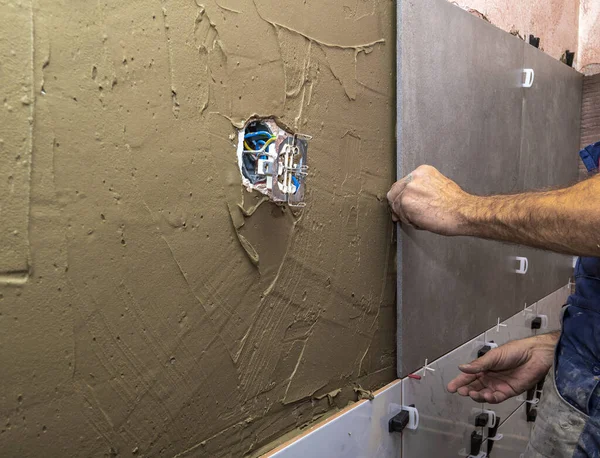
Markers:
point(516, 327)
point(551, 306)
point(360, 431)
point(515, 433)
point(446, 421)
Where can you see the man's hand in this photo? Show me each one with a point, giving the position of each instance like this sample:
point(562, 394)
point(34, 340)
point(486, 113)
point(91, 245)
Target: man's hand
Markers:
point(563, 220)
point(506, 371)
point(426, 199)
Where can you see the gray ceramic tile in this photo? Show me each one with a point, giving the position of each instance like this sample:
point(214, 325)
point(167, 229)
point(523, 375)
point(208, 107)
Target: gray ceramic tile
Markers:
point(460, 111)
point(516, 327)
point(515, 431)
point(446, 420)
point(549, 156)
point(359, 432)
point(551, 306)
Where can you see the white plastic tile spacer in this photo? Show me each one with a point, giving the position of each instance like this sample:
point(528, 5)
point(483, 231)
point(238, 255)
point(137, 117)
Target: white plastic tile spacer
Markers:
point(491, 418)
point(413, 417)
point(481, 455)
point(500, 325)
point(427, 368)
point(529, 76)
point(491, 345)
point(533, 402)
point(525, 309)
point(523, 265)
point(544, 321)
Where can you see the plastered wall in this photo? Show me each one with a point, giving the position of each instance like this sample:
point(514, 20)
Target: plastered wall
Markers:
point(589, 37)
point(556, 22)
point(562, 25)
point(148, 305)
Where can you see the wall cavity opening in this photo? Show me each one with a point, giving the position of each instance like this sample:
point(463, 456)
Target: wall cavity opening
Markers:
point(273, 161)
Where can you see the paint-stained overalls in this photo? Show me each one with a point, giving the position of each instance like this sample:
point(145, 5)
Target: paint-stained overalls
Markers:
point(568, 422)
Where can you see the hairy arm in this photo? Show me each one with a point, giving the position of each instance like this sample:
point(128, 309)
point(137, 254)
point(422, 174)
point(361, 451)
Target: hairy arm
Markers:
point(565, 220)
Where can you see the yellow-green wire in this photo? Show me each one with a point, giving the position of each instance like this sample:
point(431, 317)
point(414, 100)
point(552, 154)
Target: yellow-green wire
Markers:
point(269, 141)
point(264, 148)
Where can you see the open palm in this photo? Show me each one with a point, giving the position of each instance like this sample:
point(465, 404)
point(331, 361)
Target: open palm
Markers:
point(506, 371)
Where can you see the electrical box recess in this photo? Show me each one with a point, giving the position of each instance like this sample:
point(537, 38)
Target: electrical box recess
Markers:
point(273, 161)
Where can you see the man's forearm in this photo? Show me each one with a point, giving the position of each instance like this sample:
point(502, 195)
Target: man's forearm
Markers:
point(565, 220)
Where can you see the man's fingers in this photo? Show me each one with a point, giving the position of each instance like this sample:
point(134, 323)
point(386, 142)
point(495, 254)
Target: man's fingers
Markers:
point(499, 390)
point(398, 188)
point(461, 381)
point(485, 395)
point(486, 389)
point(488, 395)
point(496, 397)
point(485, 363)
point(476, 396)
point(398, 213)
point(474, 386)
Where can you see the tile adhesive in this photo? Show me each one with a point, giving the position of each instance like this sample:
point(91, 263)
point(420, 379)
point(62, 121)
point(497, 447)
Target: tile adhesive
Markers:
point(151, 305)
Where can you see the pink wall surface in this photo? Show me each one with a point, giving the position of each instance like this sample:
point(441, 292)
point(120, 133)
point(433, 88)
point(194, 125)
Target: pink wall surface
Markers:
point(560, 24)
point(588, 56)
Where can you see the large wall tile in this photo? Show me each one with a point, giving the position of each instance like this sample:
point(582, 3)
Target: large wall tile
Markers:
point(446, 420)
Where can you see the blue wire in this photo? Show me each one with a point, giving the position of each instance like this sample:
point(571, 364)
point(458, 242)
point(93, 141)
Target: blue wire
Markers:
point(257, 134)
point(296, 183)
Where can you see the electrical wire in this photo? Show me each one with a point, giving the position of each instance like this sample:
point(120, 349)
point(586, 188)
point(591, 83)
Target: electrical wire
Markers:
point(261, 133)
point(263, 148)
point(296, 183)
point(256, 144)
point(268, 142)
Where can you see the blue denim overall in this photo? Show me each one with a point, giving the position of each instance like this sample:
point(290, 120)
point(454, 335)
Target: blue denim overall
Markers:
point(568, 423)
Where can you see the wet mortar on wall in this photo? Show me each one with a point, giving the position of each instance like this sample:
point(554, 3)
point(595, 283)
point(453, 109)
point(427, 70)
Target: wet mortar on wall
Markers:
point(167, 310)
